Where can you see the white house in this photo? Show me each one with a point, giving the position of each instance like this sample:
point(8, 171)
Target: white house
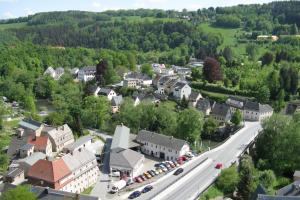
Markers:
point(181, 90)
point(82, 142)
point(55, 73)
point(162, 146)
point(109, 93)
point(87, 73)
point(254, 111)
point(137, 80)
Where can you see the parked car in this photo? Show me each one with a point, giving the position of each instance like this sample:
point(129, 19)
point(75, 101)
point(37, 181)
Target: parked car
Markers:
point(176, 163)
point(138, 179)
point(147, 188)
point(183, 158)
point(151, 173)
point(143, 177)
point(157, 165)
point(134, 195)
point(219, 166)
point(180, 161)
point(129, 182)
point(171, 164)
point(163, 168)
point(147, 175)
point(178, 171)
point(159, 170)
point(155, 172)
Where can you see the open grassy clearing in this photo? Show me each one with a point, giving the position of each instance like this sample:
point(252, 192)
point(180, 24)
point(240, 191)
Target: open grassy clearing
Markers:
point(13, 25)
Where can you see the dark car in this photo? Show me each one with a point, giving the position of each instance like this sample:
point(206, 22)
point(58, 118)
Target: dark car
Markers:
point(138, 179)
point(157, 165)
point(134, 195)
point(147, 188)
point(152, 173)
point(178, 171)
point(143, 177)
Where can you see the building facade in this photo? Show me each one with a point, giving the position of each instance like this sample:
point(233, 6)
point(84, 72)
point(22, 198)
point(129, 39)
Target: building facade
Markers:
point(162, 146)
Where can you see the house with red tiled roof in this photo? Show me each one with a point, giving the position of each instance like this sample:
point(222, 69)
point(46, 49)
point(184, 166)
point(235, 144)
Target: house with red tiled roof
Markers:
point(54, 174)
point(41, 144)
point(71, 173)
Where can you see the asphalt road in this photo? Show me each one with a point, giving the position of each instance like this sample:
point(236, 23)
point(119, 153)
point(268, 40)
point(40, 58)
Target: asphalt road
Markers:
point(198, 175)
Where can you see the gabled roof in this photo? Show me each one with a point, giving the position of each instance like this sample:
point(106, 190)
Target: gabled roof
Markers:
point(30, 160)
point(43, 193)
point(292, 189)
point(55, 132)
point(30, 124)
point(105, 91)
point(89, 69)
point(194, 96)
point(50, 171)
point(49, 70)
point(270, 197)
point(78, 159)
point(39, 143)
point(203, 104)
point(26, 147)
point(15, 144)
point(162, 140)
point(121, 138)
point(92, 89)
point(126, 158)
point(137, 75)
point(179, 85)
point(14, 172)
point(259, 190)
point(117, 100)
point(220, 110)
point(82, 140)
point(253, 106)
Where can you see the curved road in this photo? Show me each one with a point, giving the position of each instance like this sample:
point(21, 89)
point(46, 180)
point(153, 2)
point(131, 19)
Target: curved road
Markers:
point(199, 174)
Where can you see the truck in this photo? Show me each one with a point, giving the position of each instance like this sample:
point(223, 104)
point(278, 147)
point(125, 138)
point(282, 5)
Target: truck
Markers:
point(118, 185)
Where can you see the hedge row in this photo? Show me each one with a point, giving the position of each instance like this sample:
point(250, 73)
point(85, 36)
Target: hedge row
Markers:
point(221, 89)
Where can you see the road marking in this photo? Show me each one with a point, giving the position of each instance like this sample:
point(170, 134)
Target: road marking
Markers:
point(184, 179)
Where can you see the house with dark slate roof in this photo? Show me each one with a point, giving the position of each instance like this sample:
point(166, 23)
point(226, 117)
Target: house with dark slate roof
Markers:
point(116, 103)
point(292, 108)
point(221, 113)
point(204, 105)
point(162, 146)
point(252, 111)
point(87, 73)
point(181, 90)
point(194, 98)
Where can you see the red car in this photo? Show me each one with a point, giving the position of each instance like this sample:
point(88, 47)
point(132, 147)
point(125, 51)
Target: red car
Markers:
point(180, 161)
point(183, 158)
point(219, 166)
point(138, 179)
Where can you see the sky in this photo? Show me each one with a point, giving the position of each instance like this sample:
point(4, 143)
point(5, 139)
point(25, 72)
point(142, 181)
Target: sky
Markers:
point(17, 8)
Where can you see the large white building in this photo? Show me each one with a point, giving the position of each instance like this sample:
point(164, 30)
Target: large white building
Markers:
point(72, 173)
point(252, 111)
point(162, 146)
point(87, 73)
point(122, 159)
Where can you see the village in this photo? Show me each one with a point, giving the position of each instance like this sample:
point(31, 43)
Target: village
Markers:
point(47, 156)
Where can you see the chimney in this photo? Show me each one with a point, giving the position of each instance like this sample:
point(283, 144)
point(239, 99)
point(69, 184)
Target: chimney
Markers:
point(20, 132)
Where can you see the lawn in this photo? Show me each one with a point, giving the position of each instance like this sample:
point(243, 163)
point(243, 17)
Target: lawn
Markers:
point(13, 25)
point(229, 38)
point(88, 190)
point(211, 193)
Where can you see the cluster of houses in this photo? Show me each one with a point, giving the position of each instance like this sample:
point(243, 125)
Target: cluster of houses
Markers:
point(222, 112)
point(47, 156)
point(127, 150)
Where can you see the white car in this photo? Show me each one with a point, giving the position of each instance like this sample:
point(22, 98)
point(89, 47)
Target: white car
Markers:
point(189, 154)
